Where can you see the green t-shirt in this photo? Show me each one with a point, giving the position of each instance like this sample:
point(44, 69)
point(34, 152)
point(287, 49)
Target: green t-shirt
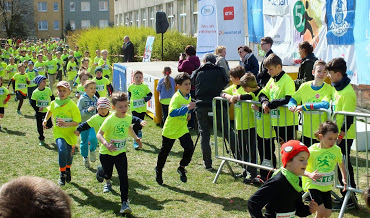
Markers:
point(344, 100)
point(4, 92)
point(2, 68)
point(305, 94)
point(40, 67)
point(68, 112)
point(138, 92)
point(77, 55)
point(31, 76)
point(59, 61)
point(13, 69)
point(72, 70)
point(101, 86)
point(116, 132)
point(42, 98)
point(165, 101)
point(6, 54)
point(81, 89)
point(106, 70)
point(277, 90)
point(264, 125)
point(96, 121)
point(243, 112)
point(325, 162)
point(175, 127)
point(21, 82)
point(51, 66)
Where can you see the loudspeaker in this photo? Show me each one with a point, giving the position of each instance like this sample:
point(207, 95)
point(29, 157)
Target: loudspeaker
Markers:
point(161, 24)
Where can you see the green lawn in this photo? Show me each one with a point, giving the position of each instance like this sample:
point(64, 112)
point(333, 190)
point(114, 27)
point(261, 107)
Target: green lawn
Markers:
point(20, 155)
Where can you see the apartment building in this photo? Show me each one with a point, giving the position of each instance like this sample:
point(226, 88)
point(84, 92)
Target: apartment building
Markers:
point(48, 16)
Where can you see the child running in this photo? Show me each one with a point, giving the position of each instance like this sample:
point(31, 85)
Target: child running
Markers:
point(72, 70)
point(113, 135)
point(103, 85)
point(20, 81)
point(80, 90)
point(4, 98)
point(11, 69)
point(282, 193)
point(66, 116)
point(32, 73)
point(320, 171)
point(105, 64)
point(175, 127)
point(40, 100)
point(166, 89)
point(139, 94)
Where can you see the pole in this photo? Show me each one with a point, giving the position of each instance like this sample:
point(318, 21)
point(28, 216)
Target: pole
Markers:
point(162, 46)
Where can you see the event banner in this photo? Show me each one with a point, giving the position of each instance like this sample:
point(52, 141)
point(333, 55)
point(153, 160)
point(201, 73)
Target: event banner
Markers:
point(119, 77)
point(275, 7)
point(255, 20)
point(207, 39)
point(230, 26)
point(148, 49)
point(340, 15)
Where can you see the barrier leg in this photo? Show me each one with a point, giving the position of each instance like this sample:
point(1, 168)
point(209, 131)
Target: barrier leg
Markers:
point(345, 201)
point(220, 168)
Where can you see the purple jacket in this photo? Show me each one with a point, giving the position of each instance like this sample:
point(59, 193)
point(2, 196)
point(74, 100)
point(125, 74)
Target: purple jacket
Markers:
point(189, 65)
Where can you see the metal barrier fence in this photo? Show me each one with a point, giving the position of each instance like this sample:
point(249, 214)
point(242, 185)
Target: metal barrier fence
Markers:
point(264, 132)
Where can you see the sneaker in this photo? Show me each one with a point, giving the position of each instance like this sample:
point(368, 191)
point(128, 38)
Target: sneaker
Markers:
point(19, 112)
point(182, 173)
point(92, 156)
point(98, 173)
point(107, 187)
point(209, 168)
point(242, 174)
point(125, 208)
point(62, 179)
point(136, 145)
point(158, 176)
point(338, 207)
point(86, 162)
point(68, 175)
point(42, 143)
point(252, 180)
point(15, 99)
point(140, 134)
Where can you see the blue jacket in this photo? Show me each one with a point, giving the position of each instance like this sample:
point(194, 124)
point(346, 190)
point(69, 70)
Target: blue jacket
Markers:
point(161, 88)
point(84, 103)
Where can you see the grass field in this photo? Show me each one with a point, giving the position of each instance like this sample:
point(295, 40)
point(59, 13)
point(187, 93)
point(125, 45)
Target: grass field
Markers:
point(21, 155)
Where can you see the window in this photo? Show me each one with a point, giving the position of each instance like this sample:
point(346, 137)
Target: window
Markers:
point(56, 24)
point(137, 20)
point(103, 23)
point(43, 25)
point(72, 6)
point(151, 17)
point(195, 18)
point(85, 24)
point(126, 19)
point(85, 6)
point(143, 17)
point(130, 19)
point(182, 16)
point(42, 6)
point(8, 6)
point(120, 21)
point(170, 16)
point(56, 6)
point(103, 5)
point(73, 24)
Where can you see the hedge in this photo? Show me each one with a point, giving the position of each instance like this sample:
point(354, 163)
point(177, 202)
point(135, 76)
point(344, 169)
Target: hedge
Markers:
point(111, 38)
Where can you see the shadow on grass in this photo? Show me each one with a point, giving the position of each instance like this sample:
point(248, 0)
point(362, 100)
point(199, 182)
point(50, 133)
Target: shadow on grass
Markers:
point(51, 146)
point(361, 161)
point(229, 204)
point(156, 150)
point(29, 117)
point(12, 132)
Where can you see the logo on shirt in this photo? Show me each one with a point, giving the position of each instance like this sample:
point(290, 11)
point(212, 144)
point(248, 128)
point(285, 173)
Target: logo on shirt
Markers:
point(317, 95)
point(137, 93)
point(120, 129)
point(229, 13)
point(325, 162)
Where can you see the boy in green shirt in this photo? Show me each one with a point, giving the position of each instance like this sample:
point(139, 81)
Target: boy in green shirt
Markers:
point(103, 85)
point(11, 69)
point(20, 81)
point(105, 64)
point(40, 65)
point(175, 127)
point(51, 67)
point(77, 54)
point(113, 135)
point(72, 70)
point(66, 117)
point(32, 73)
point(59, 61)
point(4, 98)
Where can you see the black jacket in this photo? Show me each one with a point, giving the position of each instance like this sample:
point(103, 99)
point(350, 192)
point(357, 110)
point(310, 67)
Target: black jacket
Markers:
point(128, 52)
point(263, 76)
point(251, 65)
point(279, 196)
point(209, 80)
point(305, 70)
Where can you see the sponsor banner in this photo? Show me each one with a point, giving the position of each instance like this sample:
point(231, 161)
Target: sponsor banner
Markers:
point(207, 27)
point(255, 20)
point(340, 15)
point(230, 26)
point(148, 49)
point(275, 7)
point(119, 77)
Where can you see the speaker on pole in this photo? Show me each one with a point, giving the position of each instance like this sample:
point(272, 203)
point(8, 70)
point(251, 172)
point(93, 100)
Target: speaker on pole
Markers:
point(161, 24)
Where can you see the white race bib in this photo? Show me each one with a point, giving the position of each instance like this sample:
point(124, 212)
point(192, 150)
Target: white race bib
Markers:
point(2, 92)
point(67, 120)
point(258, 115)
point(138, 103)
point(120, 144)
point(99, 87)
point(21, 86)
point(275, 113)
point(42, 103)
point(325, 180)
point(285, 215)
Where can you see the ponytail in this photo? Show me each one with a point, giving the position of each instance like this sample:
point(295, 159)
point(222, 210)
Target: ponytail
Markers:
point(167, 81)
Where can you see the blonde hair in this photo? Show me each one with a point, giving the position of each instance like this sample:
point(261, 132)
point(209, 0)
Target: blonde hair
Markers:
point(248, 81)
point(89, 82)
point(219, 50)
point(104, 51)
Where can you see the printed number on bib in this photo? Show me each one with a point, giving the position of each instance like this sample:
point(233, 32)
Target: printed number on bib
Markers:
point(21, 86)
point(2, 92)
point(67, 120)
point(325, 180)
point(99, 87)
point(42, 103)
point(258, 115)
point(238, 105)
point(138, 103)
point(285, 215)
point(120, 144)
point(275, 113)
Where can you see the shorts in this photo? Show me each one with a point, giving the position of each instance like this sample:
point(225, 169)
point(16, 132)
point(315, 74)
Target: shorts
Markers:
point(322, 198)
point(20, 95)
point(2, 110)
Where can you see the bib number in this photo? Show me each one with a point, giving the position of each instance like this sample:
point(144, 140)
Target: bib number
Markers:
point(275, 113)
point(120, 144)
point(21, 86)
point(138, 103)
point(258, 115)
point(32, 82)
point(42, 103)
point(285, 215)
point(67, 120)
point(238, 105)
point(325, 180)
point(99, 87)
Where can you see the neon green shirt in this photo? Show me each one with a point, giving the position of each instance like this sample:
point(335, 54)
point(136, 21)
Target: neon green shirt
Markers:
point(106, 70)
point(138, 92)
point(277, 90)
point(101, 86)
point(51, 66)
point(115, 131)
point(80, 89)
point(68, 112)
point(305, 94)
point(6, 54)
point(2, 68)
point(40, 67)
point(175, 127)
point(165, 101)
point(13, 69)
point(31, 76)
point(325, 161)
point(4, 92)
point(21, 82)
point(42, 98)
point(77, 55)
point(96, 121)
point(264, 125)
point(72, 70)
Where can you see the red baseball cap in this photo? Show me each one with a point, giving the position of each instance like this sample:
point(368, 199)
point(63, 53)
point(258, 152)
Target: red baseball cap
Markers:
point(290, 149)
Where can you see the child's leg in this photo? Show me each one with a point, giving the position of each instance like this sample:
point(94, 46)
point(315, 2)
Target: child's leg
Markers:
point(136, 126)
point(346, 151)
point(323, 199)
point(92, 139)
point(20, 98)
point(164, 112)
point(252, 150)
point(1, 114)
point(40, 129)
point(70, 151)
point(84, 145)
point(163, 153)
point(52, 81)
point(62, 153)
point(121, 166)
point(285, 133)
point(187, 143)
point(107, 163)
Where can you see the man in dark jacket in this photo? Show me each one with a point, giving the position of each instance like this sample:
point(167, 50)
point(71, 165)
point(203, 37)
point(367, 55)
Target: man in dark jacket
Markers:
point(128, 50)
point(263, 76)
point(209, 80)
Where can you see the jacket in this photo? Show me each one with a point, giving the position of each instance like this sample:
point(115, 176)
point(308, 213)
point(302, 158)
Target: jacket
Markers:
point(83, 105)
point(263, 76)
point(128, 52)
point(250, 64)
point(189, 65)
point(305, 70)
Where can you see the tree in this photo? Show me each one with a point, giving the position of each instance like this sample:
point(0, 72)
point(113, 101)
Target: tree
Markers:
point(68, 28)
point(16, 18)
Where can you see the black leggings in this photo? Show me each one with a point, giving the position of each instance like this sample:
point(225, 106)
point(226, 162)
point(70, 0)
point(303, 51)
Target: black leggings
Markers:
point(137, 126)
point(40, 129)
point(20, 98)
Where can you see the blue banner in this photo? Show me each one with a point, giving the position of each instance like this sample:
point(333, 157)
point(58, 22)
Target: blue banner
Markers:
point(119, 78)
point(362, 41)
point(340, 15)
point(255, 20)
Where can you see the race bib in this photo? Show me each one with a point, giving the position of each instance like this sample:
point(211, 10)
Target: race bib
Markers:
point(106, 67)
point(258, 115)
point(238, 104)
point(275, 113)
point(138, 103)
point(21, 86)
point(74, 68)
point(2, 92)
point(325, 180)
point(67, 120)
point(99, 87)
point(32, 82)
point(285, 215)
point(120, 144)
point(51, 67)
point(42, 103)
point(14, 70)
point(40, 69)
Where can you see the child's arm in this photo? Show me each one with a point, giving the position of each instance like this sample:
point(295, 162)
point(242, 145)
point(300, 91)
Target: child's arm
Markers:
point(342, 168)
point(148, 97)
point(137, 139)
point(292, 105)
point(47, 116)
point(11, 81)
point(275, 103)
point(62, 123)
point(314, 175)
point(33, 104)
point(101, 138)
point(260, 198)
point(137, 120)
point(228, 97)
point(82, 127)
point(7, 99)
point(182, 110)
point(110, 88)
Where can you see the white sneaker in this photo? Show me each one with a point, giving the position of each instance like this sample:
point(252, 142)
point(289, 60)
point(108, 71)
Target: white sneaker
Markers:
point(92, 156)
point(86, 162)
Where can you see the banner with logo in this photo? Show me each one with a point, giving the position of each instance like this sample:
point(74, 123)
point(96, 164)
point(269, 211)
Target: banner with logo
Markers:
point(255, 20)
point(148, 49)
point(340, 15)
point(119, 77)
point(275, 7)
point(207, 39)
point(230, 26)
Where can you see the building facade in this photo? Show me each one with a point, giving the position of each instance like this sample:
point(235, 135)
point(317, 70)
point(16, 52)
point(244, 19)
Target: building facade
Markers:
point(48, 16)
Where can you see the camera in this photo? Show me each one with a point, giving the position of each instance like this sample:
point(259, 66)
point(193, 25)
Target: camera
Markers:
point(183, 55)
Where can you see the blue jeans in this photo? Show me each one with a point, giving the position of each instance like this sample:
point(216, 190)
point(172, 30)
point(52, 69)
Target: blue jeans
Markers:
point(86, 137)
point(65, 153)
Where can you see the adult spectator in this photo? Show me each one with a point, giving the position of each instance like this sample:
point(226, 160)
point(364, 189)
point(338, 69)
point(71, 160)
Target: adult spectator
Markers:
point(305, 50)
point(263, 76)
point(209, 81)
point(248, 60)
point(220, 53)
point(128, 50)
